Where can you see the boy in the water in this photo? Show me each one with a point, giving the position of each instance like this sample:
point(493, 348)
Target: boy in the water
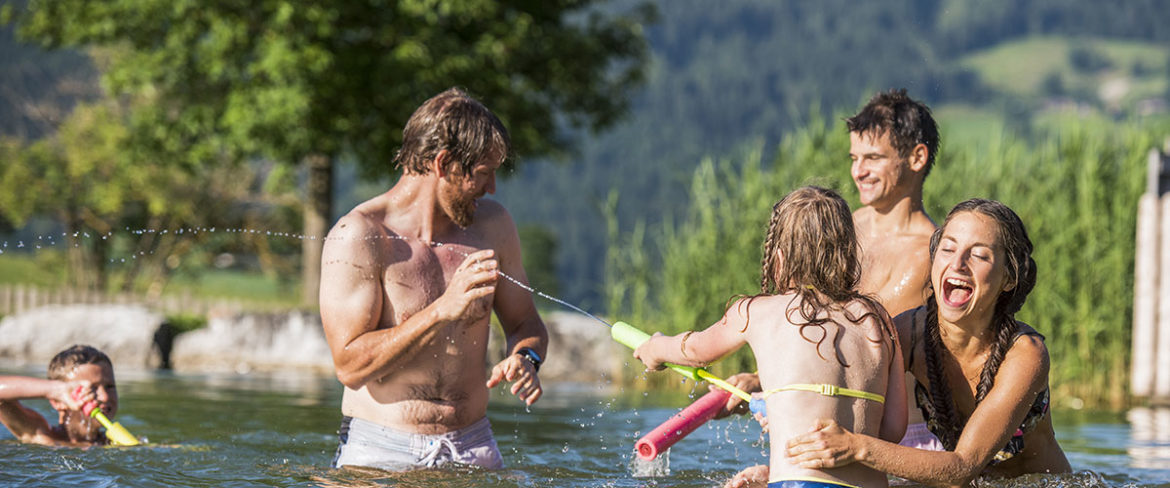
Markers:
point(81, 369)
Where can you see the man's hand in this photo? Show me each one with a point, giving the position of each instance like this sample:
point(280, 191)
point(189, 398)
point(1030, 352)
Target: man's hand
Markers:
point(468, 295)
point(749, 383)
point(520, 371)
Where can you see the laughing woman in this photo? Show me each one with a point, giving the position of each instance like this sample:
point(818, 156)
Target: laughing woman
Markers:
point(982, 377)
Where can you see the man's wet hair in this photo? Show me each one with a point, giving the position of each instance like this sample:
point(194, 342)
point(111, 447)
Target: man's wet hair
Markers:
point(908, 122)
point(454, 121)
point(63, 363)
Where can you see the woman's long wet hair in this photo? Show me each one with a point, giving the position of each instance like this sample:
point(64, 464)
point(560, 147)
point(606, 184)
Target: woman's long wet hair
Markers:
point(1012, 237)
point(812, 228)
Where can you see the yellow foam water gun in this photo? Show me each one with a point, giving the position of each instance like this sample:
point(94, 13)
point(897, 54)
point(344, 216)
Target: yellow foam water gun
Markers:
point(117, 434)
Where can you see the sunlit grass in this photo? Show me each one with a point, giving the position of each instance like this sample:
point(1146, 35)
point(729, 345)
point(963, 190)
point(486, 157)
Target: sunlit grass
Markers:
point(46, 269)
point(41, 269)
point(230, 284)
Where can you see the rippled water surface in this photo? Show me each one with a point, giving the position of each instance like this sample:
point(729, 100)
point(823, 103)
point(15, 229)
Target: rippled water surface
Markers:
point(274, 430)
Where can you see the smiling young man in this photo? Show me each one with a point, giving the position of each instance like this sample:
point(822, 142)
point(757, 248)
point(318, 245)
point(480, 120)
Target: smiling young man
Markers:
point(409, 282)
point(893, 142)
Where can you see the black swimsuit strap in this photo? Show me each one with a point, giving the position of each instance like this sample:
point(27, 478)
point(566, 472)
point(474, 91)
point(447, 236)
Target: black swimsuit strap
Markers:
point(913, 337)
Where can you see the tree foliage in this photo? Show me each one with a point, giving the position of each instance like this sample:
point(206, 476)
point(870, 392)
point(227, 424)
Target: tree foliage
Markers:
point(301, 81)
point(286, 79)
point(112, 203)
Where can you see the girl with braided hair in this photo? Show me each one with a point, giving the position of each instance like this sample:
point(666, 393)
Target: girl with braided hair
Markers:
point(822, 348)
point(982, 376)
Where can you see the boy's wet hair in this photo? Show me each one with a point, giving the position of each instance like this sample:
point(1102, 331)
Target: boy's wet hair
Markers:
point(64, 362)
point(908, 123)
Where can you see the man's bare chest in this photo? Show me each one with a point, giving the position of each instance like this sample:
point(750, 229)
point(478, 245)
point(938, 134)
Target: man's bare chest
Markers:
point(420, 275)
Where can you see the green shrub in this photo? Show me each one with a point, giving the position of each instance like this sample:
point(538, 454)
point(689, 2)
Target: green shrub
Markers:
point(186, 322)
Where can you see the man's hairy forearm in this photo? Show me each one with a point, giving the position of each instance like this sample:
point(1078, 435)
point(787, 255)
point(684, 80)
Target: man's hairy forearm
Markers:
point(529, 333)
point(377, 353)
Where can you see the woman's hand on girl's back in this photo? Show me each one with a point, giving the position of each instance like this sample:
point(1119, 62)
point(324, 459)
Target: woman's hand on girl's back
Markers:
point(825, 445)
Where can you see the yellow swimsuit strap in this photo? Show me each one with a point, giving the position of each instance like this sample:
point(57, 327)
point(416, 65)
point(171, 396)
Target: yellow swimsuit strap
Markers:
point(829, 390)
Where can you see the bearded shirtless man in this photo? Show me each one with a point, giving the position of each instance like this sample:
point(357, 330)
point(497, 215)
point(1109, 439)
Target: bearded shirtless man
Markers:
point(409, 282)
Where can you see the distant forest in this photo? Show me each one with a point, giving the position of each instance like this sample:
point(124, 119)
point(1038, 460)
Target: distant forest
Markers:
point(731, 76)
point(727, 77)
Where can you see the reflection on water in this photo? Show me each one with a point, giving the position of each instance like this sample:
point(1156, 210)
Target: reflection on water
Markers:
point(281, 430)
point(1150, 438)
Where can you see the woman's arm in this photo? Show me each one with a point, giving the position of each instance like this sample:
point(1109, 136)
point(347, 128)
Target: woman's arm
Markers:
point(1022, 375)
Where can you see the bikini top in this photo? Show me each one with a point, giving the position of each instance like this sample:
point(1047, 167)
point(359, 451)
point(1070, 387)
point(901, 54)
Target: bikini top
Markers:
point(828, 390)
point(1014, 445)
point(832, 390)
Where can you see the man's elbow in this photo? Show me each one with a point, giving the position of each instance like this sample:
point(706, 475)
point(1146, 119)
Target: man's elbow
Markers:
point(350, 381)
point(352, 378)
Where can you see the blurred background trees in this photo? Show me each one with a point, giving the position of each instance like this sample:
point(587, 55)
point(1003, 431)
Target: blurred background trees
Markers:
point(307, 83)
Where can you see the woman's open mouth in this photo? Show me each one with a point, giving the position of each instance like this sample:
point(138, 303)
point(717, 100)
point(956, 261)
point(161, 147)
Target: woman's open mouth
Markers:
point(956, 292)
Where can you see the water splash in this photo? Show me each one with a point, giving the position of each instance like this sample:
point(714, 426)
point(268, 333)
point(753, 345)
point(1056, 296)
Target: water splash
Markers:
point(654, 468)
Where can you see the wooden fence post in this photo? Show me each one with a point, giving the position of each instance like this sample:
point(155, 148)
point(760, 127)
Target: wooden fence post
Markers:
point(1145, 296)
point(1150, 353)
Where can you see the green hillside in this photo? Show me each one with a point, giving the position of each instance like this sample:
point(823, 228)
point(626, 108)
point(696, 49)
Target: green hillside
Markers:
point(1117, 74)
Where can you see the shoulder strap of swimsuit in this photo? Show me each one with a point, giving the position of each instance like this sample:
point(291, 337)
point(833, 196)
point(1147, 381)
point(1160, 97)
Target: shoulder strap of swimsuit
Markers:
point(1021, 331)
point(913, 337)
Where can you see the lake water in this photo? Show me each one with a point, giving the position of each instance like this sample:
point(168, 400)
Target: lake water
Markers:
point(280, 430)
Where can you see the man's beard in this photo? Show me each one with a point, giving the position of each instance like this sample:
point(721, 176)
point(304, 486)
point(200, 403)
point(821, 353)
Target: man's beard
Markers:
point(461, 209)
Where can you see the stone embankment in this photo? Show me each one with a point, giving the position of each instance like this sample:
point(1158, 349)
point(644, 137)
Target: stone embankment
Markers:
point(137, 338)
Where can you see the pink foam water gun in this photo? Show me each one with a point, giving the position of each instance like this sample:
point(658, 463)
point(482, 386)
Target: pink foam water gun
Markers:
point(117, 434)
point(681, 424)
point(690, 418)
